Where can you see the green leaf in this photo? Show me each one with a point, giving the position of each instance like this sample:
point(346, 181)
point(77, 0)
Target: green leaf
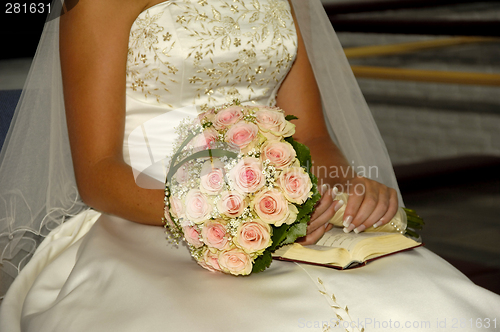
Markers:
point(303, 153)
point(262, 262)
point(291, 117)
point(308, 207)
point(296, 230)
point(279, 234)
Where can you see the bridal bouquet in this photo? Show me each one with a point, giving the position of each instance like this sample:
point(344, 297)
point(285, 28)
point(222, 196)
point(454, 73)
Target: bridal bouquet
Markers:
point(238, 187)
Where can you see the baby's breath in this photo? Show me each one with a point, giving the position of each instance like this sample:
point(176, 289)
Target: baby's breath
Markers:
point(234, 223)
point(188, 177)
point(270, 174)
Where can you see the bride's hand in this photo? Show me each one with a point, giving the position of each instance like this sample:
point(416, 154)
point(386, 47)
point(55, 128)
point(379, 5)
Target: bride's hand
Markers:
point(321, 216)
point(370, 204)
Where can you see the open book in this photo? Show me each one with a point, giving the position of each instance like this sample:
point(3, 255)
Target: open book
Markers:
point(342, 251)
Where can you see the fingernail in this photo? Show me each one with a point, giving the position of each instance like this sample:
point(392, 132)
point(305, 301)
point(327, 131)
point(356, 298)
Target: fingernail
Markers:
point(335, 191)
point(339, 205)
point(326, 225)
point(359, 229)
point(349, 228)
point(347, 221)
point(323, 188)
point(378, 223)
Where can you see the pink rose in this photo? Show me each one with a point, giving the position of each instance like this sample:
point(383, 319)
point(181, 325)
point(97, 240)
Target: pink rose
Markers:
point(273, 122)
point(181, 174)
point(212, 177)
point(227, 117)
point(242, 134)
point(192, 236)
point(204, 140)
point(176, 207)
point(214, 234)
point(201, 262)
point(207, 116)
point(247, 175)
point(272, 207)
point(253, 236)
point(211, 260)
point(231, 204)
point(235, 261)
point(296, 184)
point(198, 209)
point(280, 154)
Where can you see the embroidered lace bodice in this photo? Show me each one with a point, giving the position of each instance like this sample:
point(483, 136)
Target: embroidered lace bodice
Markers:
point(210, 52)
point(203, 53)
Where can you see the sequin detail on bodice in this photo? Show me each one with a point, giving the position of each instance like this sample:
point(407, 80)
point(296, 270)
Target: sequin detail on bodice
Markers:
point(210, 52)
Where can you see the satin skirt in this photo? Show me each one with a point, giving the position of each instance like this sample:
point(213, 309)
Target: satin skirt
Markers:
point(102, 273)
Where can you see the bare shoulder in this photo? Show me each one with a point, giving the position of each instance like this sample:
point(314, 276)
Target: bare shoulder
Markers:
point(151, 3)
point(112, 11)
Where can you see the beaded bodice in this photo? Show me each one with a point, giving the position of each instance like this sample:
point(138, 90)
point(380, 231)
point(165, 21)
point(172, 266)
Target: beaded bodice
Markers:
point(210, 52)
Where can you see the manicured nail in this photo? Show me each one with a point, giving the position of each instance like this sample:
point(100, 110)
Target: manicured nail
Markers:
point(359, 229)
point(335, 191)
point(339, 205)
point(347, 221)
point(326, 225)
point(349, 228)
point(323, 188)
point(378, 223)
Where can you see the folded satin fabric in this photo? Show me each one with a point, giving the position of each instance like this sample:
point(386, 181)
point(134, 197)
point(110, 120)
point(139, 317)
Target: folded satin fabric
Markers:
point(123, 276)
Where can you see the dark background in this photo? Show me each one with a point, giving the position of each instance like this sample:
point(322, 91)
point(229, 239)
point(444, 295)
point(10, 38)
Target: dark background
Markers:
point(20, 33)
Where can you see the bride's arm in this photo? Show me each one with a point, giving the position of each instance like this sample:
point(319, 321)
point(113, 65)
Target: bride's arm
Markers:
point(93, 48)
point(299, 95)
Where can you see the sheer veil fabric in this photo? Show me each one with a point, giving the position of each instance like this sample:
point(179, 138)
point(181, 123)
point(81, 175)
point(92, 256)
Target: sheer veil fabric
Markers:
point(38, 189)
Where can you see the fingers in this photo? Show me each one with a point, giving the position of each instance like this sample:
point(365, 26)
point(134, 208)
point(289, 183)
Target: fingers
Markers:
point(372, 210)
point(358, 201)
point(325, 217)
point(319, 223)
point(391, 211)
point(313, 237)
point(370, 204)
point(375, 206)
point(324, 203)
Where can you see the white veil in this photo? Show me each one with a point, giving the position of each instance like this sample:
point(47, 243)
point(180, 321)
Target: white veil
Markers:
point(347, 115)
point(38, 190)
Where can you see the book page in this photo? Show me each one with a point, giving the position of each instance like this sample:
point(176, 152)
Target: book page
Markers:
point(339, 249)
point(336, 238)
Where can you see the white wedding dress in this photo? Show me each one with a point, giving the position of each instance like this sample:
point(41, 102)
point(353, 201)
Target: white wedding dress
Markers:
point(101, 273)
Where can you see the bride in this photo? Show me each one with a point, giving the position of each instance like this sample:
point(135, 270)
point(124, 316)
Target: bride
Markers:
point(124, 63)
